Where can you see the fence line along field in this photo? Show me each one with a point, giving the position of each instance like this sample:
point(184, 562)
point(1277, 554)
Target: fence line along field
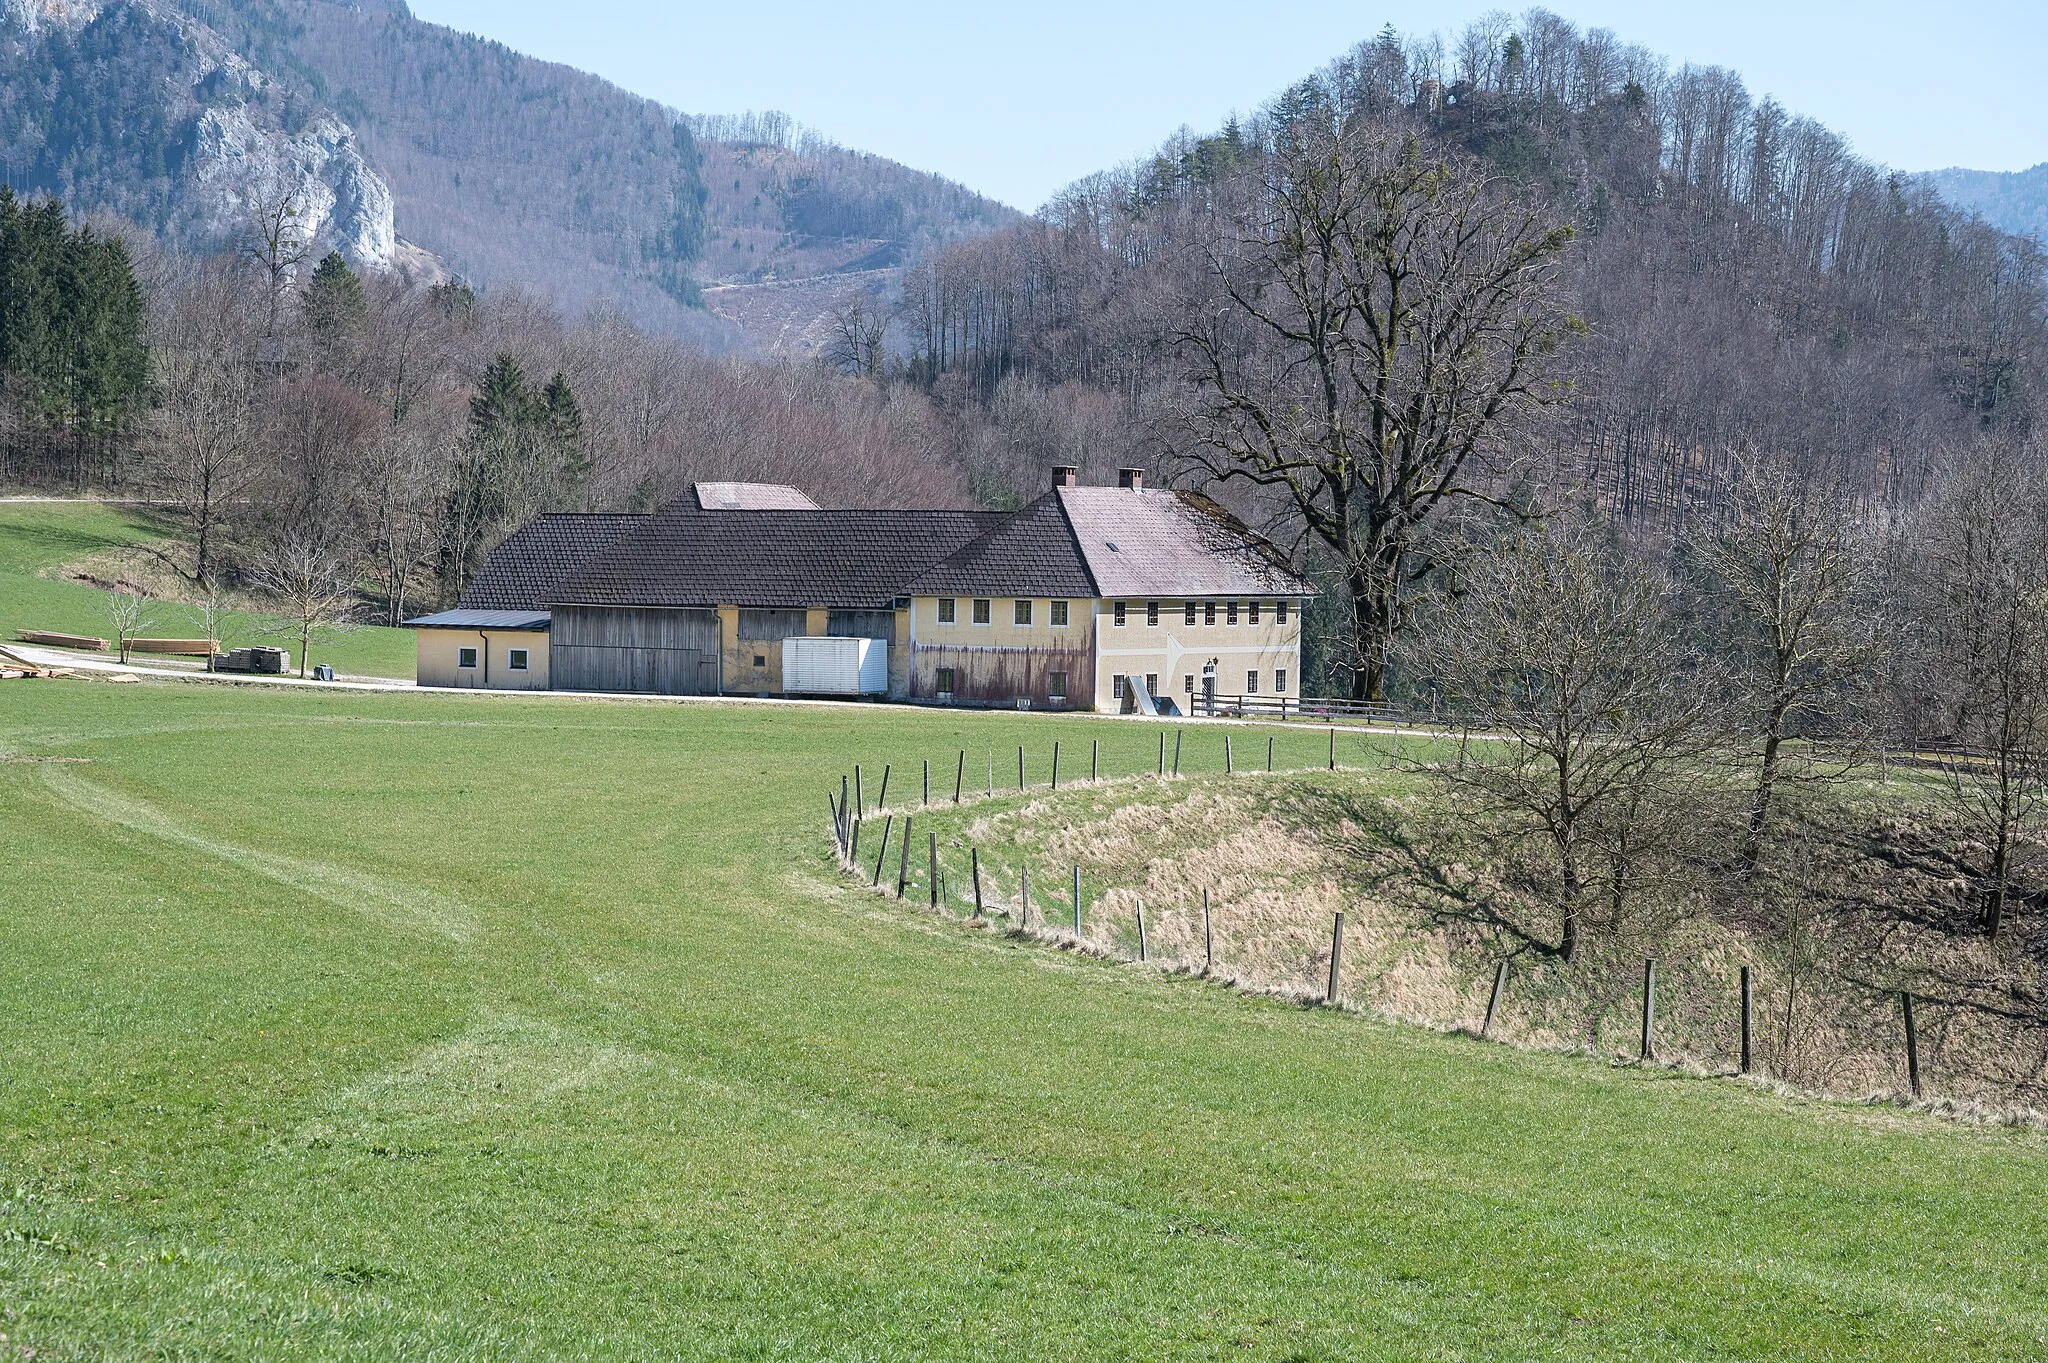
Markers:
point(384, 1025)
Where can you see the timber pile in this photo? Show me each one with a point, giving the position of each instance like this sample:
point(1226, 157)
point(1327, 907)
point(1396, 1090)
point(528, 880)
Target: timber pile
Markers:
point(51, 639)
point(13, 667)
point(189, 648)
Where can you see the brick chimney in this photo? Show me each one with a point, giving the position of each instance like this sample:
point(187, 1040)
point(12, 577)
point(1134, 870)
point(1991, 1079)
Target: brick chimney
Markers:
point(1065, 475)
point(1133, 479)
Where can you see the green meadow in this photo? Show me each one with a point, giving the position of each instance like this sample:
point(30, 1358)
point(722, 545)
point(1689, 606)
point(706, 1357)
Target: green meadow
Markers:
point(377, 1025)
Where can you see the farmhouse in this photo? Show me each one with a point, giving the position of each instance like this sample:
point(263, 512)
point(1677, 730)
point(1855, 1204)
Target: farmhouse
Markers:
point(1087, 598)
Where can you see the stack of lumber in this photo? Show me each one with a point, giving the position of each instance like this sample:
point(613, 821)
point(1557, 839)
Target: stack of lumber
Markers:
point(13, 667)
point(52, 639)
point(190, 648)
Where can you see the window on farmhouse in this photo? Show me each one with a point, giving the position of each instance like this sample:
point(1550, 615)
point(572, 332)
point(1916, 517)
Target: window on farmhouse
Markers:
point(1059, 613)
point(1255, 613)
point(982, 611)
point(1251, 683)
point(1120, 609)
point(1187, 682)
point(465, 657)
point(1208, 612)
point(760, 660)
point(1233, 614)
point(1152, 614)
point(1188, 613)
point(1023, 612)
point(945, 681)
point(1056, 685)
point(1116, 687)
point(1280, 611)
point(947, 606)
point(516, 660)
point(1152, 684)
point(1280, 680)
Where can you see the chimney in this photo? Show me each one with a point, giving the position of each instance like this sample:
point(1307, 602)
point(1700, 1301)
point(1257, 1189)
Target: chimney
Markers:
point(1065, 475)
point(1133, 479)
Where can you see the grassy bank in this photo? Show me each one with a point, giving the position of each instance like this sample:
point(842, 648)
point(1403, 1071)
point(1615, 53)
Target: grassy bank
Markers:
point(38, 540)
point(370, 1026)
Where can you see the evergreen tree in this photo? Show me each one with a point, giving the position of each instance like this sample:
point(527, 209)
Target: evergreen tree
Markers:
point(335, 306)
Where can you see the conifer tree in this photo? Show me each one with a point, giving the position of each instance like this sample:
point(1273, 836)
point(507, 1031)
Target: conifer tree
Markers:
point(335, 306)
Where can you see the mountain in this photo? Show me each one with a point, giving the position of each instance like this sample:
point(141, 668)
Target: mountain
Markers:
point(419, 148)
point(2013, 201)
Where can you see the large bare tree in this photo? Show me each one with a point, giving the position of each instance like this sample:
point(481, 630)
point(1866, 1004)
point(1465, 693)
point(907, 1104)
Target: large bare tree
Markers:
point(1372, 327)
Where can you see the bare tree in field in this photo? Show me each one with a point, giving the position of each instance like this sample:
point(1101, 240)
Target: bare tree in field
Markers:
point(130, 613)
point(206, 434)
point(313, 585)
point(1786, 591)
point(1375, 325)
point(854, 342)
point(275, 237)
point(1983, 607)
point(1592, 720)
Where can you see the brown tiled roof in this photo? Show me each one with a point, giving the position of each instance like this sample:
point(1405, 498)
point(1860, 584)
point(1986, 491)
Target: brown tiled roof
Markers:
point(1031, 553)
point(684, 555)
point(1158, 542)
point(521, 572)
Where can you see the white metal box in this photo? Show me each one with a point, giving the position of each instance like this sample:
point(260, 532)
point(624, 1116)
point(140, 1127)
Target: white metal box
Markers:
point(835, 667)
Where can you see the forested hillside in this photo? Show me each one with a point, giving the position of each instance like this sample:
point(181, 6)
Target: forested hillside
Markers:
point(2013, 201)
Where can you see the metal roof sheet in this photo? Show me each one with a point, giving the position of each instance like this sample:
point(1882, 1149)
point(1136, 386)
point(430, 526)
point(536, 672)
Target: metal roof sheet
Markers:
point(1159, 542)
point(462, 619)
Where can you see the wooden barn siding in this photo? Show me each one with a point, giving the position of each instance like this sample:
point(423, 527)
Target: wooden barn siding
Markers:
point(667, 652)
point(995, 674)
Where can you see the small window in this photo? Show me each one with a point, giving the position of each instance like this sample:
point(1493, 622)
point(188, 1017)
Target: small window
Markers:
point(1187, 683)
point(1152, 684)
point(1232, 617)
point(1188, 613)
point(1208, 612)
point(516, 659)
point(1280, 680)
point(1255, 613)
point(760, 660)
point(1251, 683)
point(945, 680)
point(983, 611)
point(1056, 685)
point(1116, 686)
point(1023, 612)
point(465, 657)
point(1152, 614)
point(1280, 611)
point(1058, 613)
point(1120, 613)
point(947, 610)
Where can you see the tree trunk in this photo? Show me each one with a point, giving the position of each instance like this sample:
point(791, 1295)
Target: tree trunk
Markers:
point(1994, 897)
point(1760, 799)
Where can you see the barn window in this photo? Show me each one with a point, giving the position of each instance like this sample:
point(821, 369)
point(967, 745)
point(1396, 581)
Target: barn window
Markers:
point(946, 610)
point(1120, 609)
point(1255, 612)
point(1023, 612)
point(1056, 685)
point(516, 660)
point(982, 611)
point(945, 680)
point(1188, 613)
point(1232, 617)
point(1059, 613)
point(1208, 612)
point(1280, 680)
point(465, 657)
point(760, 660)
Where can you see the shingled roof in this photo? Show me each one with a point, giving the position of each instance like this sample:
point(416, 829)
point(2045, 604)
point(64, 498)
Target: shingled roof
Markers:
point(1030, 553)
point(683, 555)
point(1158, 542)
point(752, 497)
point(522, 572)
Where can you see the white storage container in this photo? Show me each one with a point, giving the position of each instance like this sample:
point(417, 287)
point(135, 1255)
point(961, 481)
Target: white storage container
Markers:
point(835, 667)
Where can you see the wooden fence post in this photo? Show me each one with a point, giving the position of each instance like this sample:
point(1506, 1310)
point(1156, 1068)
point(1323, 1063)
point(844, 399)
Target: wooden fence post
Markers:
point(1336, 961)
point(1162, 754)
point(991, 772)
point(1333, 747)
point(838, 832)
point(1094, 760)
point(935, 870)
point(903, 869)
point(845, 814)
point(882, 852)
point(1077, 901)
point(1912, 1043)
point(959, 775)
point(860, 804)
point(1020, 766)
point(1500, 984)
point(1208, 938)
point(927, 783)
point(1177, 735)
point(1024, 895)
point(975, 854)
point(1269, 753)
point(1748, 1017)
point(882, 800)
point(853, 848)
point(1141, 930)
point(1055, 764)
point(1649, 1009)
point(1228, 768)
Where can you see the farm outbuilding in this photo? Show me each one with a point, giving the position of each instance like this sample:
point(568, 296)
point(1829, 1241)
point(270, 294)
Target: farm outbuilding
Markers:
point(1079, 600)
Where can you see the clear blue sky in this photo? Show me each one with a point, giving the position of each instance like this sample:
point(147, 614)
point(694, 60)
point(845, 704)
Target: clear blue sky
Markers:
point(1017, 100)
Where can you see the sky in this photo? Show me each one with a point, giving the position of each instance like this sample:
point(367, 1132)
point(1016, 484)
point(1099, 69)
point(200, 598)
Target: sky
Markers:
point(1018, 100)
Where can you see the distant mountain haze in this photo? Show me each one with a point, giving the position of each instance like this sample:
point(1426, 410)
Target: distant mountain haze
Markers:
point(2013, 201)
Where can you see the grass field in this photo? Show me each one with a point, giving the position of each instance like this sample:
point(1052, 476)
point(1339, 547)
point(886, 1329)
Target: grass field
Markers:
point(38, 538)
point(395, 1026)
